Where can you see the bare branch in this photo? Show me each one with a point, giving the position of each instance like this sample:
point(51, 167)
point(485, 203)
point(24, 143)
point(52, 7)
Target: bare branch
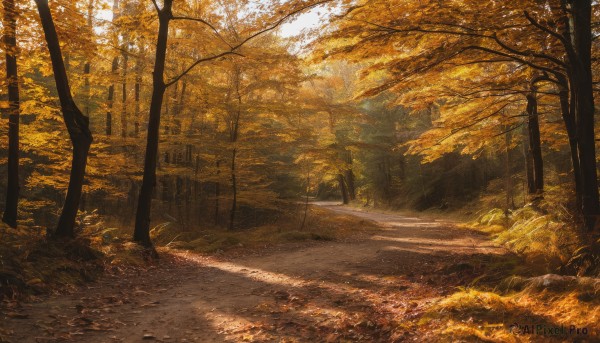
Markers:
point(509, 130)
point(469, 32)
point(279, 22)
point(516, 58)
point(545, 29)
point(232, 50)
point(423, 30)
point(199, 20)
point(201, 60)
point(528, 53)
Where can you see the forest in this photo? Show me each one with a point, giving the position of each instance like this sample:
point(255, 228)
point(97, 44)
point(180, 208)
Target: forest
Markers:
point(299, 171)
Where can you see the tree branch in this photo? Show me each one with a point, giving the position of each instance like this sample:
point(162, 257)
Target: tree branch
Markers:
point(233, 48)
point(545, 29)
point(201, 60)
point(199, 20)
point(156, 6)
point(504, 54)
point(527, 53)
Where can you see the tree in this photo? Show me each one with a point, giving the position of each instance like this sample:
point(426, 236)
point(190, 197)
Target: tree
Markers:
point(141, 233)
point(77, 124)
point(577, 40)
point(165, 16)
point(10, 45)
point(334, 91)
point(552, 37)
point(114, 68)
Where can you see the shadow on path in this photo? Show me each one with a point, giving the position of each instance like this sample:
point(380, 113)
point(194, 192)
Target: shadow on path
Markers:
point(369, 291)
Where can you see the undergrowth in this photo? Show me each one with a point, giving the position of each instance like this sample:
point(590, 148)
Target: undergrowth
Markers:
point(543, 232)
point(567, 308)
point(320, 225)
point(526, 301)
point(32, 263)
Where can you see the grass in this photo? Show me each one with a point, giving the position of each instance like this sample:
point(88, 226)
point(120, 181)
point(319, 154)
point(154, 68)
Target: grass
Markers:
point(547, 301)
point(543, 233)
point(524, 289)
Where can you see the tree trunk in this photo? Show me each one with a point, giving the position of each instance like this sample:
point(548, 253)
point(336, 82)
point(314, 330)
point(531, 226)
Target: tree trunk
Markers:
point(349, 176)
point(569, 121)
point(12, 77)
point(111, 94)
point(507, 174)
point(343, 189)
point(77, 125)
point(141, 233)
point(535, 145)
point(111, 88)
point(138, 84)
point(234, 124)
point(233, 190)
point(168, 119)
point(124, 95)
point(87, 66)
point(217, 193)
point(306, 198)
point(584, 118)
point(528, 162)
point(177, 108)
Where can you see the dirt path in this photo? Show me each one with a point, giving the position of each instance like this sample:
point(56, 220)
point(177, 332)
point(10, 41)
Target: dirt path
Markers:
point(372, 291)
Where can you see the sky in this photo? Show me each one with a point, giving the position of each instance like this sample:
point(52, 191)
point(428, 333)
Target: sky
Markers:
point(311, 19)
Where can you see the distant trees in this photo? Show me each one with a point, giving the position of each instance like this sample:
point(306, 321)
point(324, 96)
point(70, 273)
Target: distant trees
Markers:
point(399, 122)
point(334, 90)
point(165, 16)
point(551, 38)
point(195, 112)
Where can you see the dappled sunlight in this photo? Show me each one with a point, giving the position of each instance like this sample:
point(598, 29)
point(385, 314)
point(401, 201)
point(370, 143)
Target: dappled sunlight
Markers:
point(298, 170)
point(420, 245)
point(222, 322)
point(296, 308)
point(410, 224)
point(436, 249)
point(276, 279)
point(413, 250)
point(374, 290)
point(425, 241)
point(251, 273)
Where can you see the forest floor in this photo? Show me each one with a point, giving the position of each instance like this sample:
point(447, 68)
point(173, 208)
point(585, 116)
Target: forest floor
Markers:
point(379, 288)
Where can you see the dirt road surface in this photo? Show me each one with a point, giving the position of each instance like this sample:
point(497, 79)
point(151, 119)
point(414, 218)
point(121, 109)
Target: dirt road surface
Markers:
point(374, 290)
